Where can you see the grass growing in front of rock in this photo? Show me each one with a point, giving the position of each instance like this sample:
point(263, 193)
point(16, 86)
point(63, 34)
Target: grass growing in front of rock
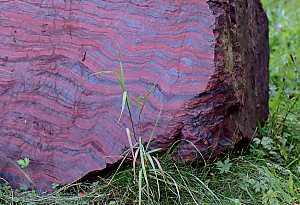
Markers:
point(267, 173)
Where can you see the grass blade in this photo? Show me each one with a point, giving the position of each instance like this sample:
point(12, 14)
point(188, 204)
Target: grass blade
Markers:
point(130, 141)
point(146, 99)
point(291, 184)
point(137, 102)
point(121, 68)
point(160, 168)
point(142, 156)
point(140, 186)
point(102, 72)
point(143, 162)
point(186, 186)
point(153, 151)
point(120, 82)
point(193, 145)
point(153, 130)
point(276, 184)
point(177, 189)
point(123, 104)
point(134, 161)
point(154, 169)
point(128, 101)
point(128, 151)
point(274, 103)
point(206, 187)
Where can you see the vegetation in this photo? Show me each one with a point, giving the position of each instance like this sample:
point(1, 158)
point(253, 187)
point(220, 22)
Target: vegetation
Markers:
point(267, 173)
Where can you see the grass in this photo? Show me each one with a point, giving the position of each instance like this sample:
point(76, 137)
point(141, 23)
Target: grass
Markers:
point(268, 173)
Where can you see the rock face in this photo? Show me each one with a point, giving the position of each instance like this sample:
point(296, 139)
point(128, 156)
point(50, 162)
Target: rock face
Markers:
point(208, 58)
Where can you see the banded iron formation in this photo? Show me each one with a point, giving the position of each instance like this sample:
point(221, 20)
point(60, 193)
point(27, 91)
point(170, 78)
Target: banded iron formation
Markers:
point(208, 58)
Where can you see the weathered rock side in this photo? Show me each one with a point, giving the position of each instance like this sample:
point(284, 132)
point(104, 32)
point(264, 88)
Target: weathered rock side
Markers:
point(209, 59)
point(237, 94)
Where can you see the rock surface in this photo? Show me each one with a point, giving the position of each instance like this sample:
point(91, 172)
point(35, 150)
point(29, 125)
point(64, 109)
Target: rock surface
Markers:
point(208, 58)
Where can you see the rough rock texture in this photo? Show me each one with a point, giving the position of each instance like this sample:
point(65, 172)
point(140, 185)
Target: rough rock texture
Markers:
point(209, 59)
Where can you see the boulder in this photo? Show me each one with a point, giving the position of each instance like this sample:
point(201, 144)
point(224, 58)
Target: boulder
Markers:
point(209, 60)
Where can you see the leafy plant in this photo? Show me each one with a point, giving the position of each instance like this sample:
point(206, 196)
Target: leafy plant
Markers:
point(224, 167)
point(260, 186)
point(270, 198)
point(55, 185)
point(23, 162)
point(24, 188)
point(267, 143)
